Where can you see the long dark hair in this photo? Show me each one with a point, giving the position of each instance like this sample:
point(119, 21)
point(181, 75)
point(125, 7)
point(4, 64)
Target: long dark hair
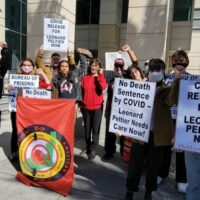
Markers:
point(69, 76)
point(96, 61)
point(134, 67)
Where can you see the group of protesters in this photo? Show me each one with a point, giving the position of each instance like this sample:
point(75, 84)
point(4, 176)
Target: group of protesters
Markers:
point(76, 78)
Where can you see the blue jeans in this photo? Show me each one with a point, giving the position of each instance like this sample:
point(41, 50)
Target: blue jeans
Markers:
point(193, 172)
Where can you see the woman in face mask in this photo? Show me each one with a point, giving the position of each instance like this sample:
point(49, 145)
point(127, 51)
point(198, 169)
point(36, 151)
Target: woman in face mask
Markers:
point(161, 134)
point(26, 67)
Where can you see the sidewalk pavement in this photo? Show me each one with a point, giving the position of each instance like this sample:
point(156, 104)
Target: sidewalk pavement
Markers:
point(96, 179)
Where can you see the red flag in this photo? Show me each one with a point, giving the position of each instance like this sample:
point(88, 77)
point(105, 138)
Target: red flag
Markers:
point(46, 142)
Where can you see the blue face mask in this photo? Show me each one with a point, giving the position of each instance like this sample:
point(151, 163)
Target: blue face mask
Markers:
point(155, 76)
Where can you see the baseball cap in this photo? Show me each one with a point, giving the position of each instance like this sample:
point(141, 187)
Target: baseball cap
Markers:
point(119, 62)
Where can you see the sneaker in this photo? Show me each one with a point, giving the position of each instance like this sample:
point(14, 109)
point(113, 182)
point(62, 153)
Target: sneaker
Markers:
point(91, 155)
point(182, 187)
point(13, 155)
point(129, 195)
point(107, 156)
point(159, 180)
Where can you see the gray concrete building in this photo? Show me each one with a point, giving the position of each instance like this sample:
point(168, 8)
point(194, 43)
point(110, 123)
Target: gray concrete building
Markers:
point(153, 28)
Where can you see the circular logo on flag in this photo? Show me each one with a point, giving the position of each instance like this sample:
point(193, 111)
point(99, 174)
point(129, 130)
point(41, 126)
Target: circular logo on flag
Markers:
point(44, 153)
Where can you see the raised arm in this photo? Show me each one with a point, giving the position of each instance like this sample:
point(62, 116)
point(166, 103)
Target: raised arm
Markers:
point(126, 48)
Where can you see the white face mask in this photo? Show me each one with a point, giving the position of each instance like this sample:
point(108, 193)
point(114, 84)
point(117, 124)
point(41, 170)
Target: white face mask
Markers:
point(27, 69)
point(155, 76)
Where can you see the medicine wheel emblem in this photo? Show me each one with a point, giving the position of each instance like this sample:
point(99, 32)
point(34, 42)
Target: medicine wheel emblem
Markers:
point(44, 153)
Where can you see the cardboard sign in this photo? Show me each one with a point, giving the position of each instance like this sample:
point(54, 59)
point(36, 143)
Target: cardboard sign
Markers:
point(132, 106)
point(24, 81)
point(55, 34)
point(188, 116)
point(111, 56)
point(36, 93)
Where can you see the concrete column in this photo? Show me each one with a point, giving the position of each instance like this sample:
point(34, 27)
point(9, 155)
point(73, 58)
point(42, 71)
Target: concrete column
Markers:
point(109, 26)
point(37, 11)
point(2, 20)
point(147, 28)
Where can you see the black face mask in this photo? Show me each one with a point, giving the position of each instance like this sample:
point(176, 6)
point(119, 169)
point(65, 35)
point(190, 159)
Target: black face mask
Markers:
point(181, 64)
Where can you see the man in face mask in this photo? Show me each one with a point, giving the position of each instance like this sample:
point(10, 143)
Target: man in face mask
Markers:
point(161, 134)
point(180, 61)
point(156, 71)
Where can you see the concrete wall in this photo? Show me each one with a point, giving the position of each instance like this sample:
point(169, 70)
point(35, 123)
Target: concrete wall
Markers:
point(147, 28)
point(123, 34)
point(194, 53)
point(87, 36)
point(109, 26)
point(2, 20)
point(40, 9)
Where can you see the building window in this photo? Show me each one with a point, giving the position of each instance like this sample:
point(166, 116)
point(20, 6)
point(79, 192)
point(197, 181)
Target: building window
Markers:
point(87, 11)
point(124, 11)
point(196, 19)
point(182, 10)
point(16, 29)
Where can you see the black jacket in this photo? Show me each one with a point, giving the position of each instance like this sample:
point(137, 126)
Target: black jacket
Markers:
point(5, 63)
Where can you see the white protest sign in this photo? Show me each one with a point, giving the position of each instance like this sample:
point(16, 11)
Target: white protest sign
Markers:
point(12, 99)
point(111, 56)
point(55, 36)
point(36, 93)
point(24, 81)
point(132, 106)
point(169, 79)
point(187, 135)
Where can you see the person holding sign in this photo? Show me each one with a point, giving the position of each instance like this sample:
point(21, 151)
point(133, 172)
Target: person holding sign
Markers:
point(51, 70)
point(26, 67)
point(92, 86)
point(161, 135)
point(133, 72)
point(110, 138)
point(180, 61)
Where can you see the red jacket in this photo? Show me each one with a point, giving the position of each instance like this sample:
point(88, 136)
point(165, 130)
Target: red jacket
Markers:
point(92, 91)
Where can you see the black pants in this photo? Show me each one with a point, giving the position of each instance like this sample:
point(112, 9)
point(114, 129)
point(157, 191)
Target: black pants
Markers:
point(180, 165)
point(14, 144)
point(92, 123)
point(139, 152)
point(181, 175)
point(110, 141)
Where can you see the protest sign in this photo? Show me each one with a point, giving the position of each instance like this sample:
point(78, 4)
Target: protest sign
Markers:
point(111, 56)
point(36, 93)
point(12, 99)
point(55, 36)
point(24, 81)
point(169, 79)
point(187, 135)
point(46, 143)
point(132, 106)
